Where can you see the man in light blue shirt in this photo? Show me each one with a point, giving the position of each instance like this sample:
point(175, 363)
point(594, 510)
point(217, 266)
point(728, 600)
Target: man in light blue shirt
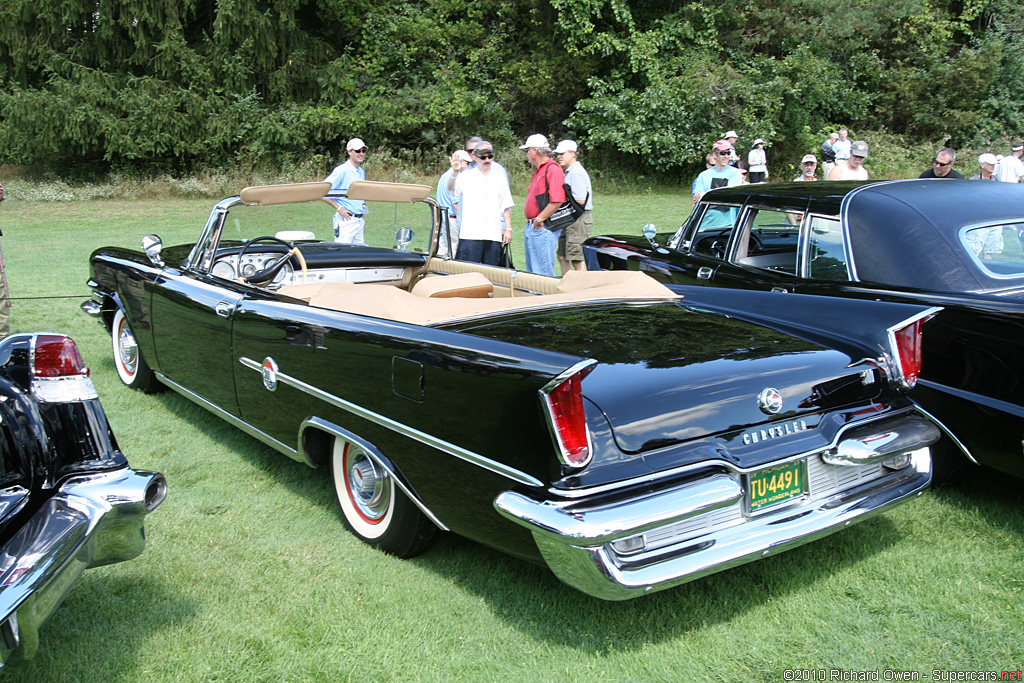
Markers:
point(459, 160)
point(719, 175)
point(349, 214)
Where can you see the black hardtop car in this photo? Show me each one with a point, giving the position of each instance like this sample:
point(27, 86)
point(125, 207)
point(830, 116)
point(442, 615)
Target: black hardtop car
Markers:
point(956, 244)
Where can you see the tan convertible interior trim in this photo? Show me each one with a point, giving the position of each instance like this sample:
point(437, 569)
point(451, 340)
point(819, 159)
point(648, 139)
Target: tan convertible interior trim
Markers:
point(372, 191)
point(392, 303)
point(265, 195)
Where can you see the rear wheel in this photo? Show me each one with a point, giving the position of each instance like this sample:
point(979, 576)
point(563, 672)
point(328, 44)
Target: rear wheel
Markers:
point(131, 366)
point(375, 509)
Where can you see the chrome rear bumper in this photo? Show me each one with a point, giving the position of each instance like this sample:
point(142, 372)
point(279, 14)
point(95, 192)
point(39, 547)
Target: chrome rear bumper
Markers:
point(93, 520)
point(581, 541)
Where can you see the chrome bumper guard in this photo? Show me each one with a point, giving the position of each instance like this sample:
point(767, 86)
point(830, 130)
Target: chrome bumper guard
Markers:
point(576, 537)
point(93, 520)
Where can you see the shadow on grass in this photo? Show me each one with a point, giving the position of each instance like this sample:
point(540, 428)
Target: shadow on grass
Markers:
point(534, 600)
point(101, 626)
point(994, 497)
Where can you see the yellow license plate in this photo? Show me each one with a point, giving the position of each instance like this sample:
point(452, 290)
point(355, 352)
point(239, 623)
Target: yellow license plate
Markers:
point(777, 484)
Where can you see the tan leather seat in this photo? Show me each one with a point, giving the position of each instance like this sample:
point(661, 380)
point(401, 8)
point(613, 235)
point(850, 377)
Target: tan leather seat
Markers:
point(463, 286)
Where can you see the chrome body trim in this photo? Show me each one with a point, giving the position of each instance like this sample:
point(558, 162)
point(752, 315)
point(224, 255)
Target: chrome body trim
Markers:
point(945, 430)
point(863, 449)
point(92, 307)
point(400, 428)
point(720, 463)
point(575, 538)
point(377, 456)
point(235, 420)
point(92, 520)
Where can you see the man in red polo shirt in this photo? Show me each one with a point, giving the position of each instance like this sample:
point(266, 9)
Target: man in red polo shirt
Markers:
point(548, 178)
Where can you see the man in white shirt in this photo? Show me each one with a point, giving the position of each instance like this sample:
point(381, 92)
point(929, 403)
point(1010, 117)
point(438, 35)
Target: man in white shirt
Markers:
point(348, 213)
point(484, 204)
point(1010, 169)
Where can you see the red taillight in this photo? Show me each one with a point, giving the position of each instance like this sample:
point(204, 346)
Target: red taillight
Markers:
point(57, 356)
point(566, 417)
point(908, 347)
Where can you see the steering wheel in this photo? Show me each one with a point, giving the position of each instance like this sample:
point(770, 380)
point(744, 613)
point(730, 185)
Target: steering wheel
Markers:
point(271, 270)
point(713, 245)
point(755, 246)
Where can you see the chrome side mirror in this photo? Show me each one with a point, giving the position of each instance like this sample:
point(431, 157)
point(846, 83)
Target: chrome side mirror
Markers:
point(650, 232)
point(153, 245)
point(403, 238)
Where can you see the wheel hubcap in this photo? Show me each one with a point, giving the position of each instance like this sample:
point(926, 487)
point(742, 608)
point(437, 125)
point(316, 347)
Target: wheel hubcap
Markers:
point(128, 350)
point(367, 487)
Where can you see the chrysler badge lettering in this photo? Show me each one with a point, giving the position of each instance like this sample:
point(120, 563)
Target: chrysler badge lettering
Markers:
point(774, 432)
point(269, 373)
point(770, 401)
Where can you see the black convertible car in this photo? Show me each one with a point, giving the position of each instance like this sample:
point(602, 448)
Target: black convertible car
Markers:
point(629, 435)
point(945, 243)
point(68, 500)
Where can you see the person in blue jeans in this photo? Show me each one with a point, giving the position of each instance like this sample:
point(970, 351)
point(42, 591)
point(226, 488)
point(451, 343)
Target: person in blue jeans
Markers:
point(548, 178)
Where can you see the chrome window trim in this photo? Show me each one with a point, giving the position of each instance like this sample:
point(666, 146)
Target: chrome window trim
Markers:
point(747, 221)
point(400, 428)
point(980, 263)
point(724, 464)
point(677, 239)
point(805, 247)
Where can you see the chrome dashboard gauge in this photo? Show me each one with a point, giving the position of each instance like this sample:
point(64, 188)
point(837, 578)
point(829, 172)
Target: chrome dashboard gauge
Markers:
point(224, 270)
point(248, 269)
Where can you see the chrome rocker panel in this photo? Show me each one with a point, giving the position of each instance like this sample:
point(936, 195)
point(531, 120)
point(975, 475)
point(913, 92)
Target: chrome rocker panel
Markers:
point(575, 538)
point(92, 520)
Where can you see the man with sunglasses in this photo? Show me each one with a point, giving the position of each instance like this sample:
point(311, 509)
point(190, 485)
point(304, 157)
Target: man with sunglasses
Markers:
point(483, 202)
point(942, 166)
point(719, 175)
point(349, 214)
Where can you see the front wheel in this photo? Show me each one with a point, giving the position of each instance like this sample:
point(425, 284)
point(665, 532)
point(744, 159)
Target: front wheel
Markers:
point(374, 508)
point(131, 366)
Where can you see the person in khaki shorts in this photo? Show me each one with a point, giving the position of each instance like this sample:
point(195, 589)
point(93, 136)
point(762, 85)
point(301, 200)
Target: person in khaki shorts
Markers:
point(570, 244)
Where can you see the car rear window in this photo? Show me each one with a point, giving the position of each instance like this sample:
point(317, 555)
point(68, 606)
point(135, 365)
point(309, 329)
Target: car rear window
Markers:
point(998, 249)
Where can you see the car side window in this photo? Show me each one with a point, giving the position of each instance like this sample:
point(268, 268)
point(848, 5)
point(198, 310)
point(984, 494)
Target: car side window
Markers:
point(826, 255)
point(713, 229)
point(772, 241)
point(997, 249)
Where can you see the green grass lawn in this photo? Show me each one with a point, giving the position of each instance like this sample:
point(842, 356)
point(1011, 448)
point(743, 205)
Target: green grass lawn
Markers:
point(249, 574)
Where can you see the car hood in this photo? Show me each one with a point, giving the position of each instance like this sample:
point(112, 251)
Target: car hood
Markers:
point(670, 373)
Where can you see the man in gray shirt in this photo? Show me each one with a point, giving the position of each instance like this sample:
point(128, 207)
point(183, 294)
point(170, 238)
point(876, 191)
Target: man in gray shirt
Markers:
point(570, 244)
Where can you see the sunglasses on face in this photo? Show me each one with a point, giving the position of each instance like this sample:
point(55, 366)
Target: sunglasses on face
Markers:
point(723, 153)
point(939, 163)
point(485, 156)
point(360, 151)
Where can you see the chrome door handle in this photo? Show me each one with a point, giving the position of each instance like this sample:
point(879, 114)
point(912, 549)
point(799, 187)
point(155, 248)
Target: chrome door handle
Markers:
point(781, 290)
point(704, 273)
point(224, 309)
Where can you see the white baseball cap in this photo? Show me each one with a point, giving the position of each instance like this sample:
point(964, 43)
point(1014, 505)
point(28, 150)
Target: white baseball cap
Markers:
point(355, 143)
point(535, 141)
point(565, 146)
point(462, 154)
point(731, 134)
point(988, 158)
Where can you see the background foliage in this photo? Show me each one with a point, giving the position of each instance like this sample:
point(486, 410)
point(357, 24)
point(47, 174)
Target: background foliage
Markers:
point(174, 85)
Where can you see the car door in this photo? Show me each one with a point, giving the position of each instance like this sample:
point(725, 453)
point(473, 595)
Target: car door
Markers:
point(702, 247)
point(191, 316)
point(765, 252)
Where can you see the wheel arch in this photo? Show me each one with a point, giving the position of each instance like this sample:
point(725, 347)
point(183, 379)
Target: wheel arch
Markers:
point(316, 439)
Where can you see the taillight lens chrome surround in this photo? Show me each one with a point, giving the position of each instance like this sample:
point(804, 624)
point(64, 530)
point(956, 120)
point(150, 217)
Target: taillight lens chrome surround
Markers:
point(566, 417)
point(59, 375)
point(905, 343)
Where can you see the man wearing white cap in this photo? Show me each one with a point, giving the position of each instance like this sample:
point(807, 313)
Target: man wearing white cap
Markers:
point(548, 179)
point(1011, 170)
point(348, 213)
point(808, 165)
point(731, 136)
point(570, 244)
point(987, 163)
point(458, 160)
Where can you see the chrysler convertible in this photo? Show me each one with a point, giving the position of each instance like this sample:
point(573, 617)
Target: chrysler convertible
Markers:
point(953, 244)
point(629, 435)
